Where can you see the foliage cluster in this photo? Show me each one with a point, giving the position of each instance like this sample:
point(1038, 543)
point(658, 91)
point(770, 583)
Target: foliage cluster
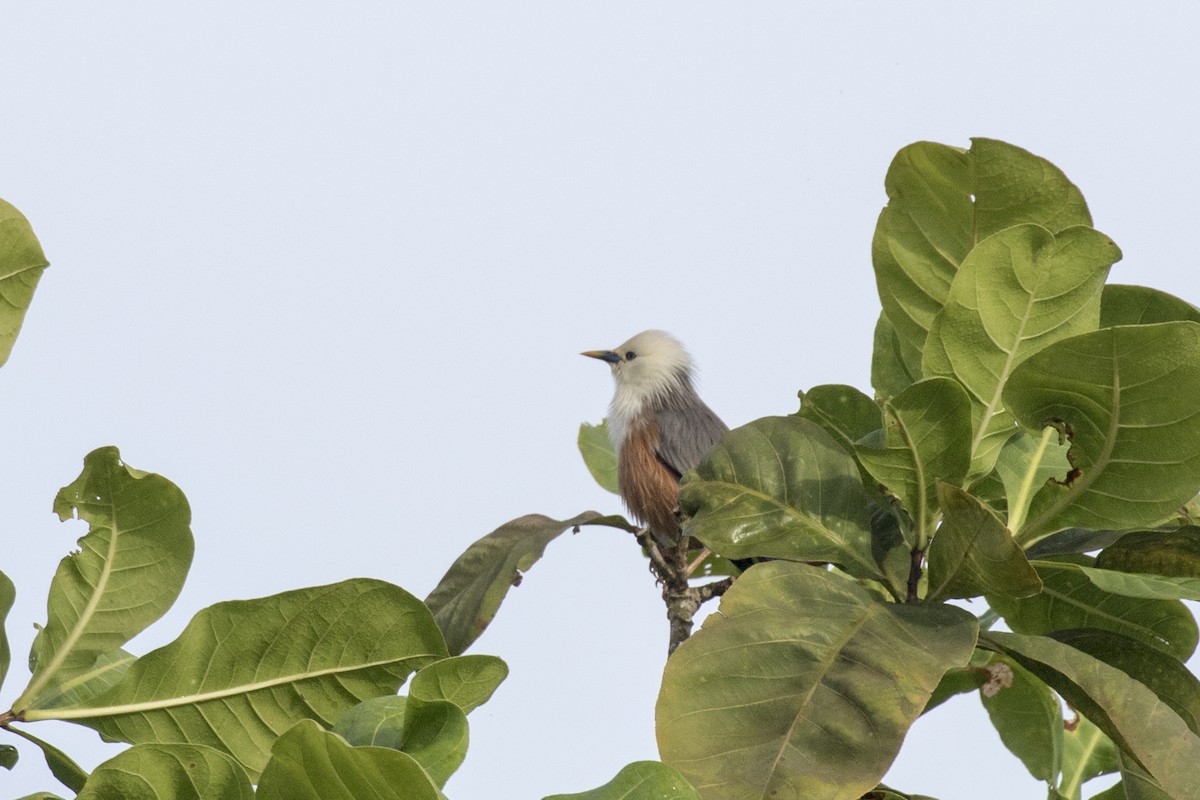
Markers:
point(1032, 448)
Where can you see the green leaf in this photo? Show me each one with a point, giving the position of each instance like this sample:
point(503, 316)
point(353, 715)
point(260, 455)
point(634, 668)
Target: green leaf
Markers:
point(1087, 754)
point(8, 756)
point(103, 675)
point(942, 201)
point(377, 721)
point(22, 263)
point(1029, 720)
point(1153, 587)
point(1069, 600)
point(1169, 679)
point(1141, 305)
point(1123, 396)
point(973, 553)
point(843, 412)
point(466, 681)
point(804, 684)
point(243, 670)
point(1072, 541)
point(641, 779)
point(168, 772)
point(895, 365)
point(1016, 293)
point(1138, 784)
point(1173, 553)
point(435, 734)
point(60, 764)
point(599, 455)
point(781, 487)
point(129, 570)
point(1024, 466)
point(467, 597)
point(308, 763)
point(8, 595)
point(926, 439)
point(1129, 713)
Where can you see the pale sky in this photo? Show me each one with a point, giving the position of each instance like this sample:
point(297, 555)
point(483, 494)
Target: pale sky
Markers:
point(329, 268)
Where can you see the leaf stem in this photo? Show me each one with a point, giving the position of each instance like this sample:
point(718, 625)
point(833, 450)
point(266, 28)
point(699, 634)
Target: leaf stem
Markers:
point(1020, 507)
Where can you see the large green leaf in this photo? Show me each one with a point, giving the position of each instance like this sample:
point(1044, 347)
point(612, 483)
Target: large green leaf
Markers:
point(973, 553)
point(244, 670)
point(22, 263)
point(598, 455)
point(467, 597)
point(895, 364)
point(1129, 713)
point(1017, 292)
point(1174, 553)
point(1133, 584)
point(1124, 398)
point(168, 772)
point(926, 439)
point(1141, 305)
point(308, 763)
point(377, 721)
point(1169, 679)
point(1070, 600)
point(843, 412)
point(130, 567)
point(1029, 720)
point(466, 681)
point(435, 733)
point(8, 595)
point(641, 779)
point(781, 487)
point(942, 201)
point(802, 685)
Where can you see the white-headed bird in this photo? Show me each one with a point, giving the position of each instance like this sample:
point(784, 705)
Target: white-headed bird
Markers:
point(659, 427)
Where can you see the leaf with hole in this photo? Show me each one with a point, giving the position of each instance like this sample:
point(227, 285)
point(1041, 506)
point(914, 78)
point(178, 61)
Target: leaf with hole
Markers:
point(130, 568)
point(1016, 293)
point(1124, 398)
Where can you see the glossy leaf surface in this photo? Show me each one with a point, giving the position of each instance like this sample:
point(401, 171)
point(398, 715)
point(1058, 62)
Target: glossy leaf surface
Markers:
point(973, 553)
point(926, 439)
point(803, 685)
point(782, 487)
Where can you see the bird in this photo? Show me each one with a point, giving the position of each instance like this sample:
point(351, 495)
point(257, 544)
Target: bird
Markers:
point(659, 427)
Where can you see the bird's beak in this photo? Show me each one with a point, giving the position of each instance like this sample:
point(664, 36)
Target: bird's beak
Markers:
point(603, 355)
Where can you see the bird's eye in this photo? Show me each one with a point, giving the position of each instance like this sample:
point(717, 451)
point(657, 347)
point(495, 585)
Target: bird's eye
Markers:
point(630, 356)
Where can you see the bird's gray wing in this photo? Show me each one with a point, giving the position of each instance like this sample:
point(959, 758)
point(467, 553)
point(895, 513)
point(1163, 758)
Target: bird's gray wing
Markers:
point(686, 431)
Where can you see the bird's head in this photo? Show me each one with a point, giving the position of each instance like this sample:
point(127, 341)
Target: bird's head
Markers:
point(650, 364)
